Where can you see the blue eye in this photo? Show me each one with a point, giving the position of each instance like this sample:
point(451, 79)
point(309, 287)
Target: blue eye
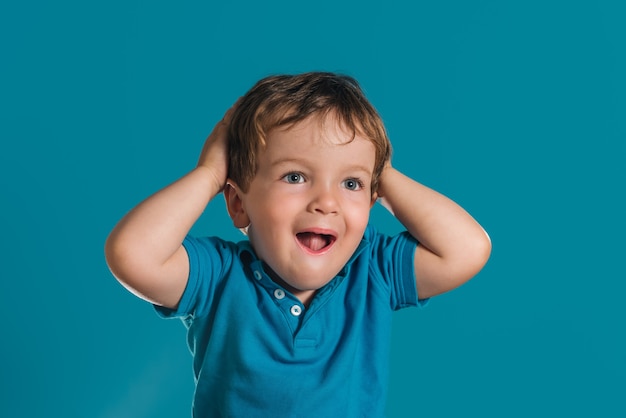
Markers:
point(353, 184)
point(294, 178)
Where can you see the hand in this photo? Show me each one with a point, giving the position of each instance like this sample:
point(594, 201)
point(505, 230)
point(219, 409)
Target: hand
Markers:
point(214, 155)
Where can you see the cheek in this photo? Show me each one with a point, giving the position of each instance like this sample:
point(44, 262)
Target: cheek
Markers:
point(364, 219)
point(271, 214)
point(358, 214)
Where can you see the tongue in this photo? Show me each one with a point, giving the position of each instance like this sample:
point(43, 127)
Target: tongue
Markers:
point(313, 241)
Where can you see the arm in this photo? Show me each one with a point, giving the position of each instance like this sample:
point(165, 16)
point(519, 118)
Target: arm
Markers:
point(453, 246)
point(144, 251)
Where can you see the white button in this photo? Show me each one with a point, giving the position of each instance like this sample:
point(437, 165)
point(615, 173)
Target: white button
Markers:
point(296, 310)
point(258, 275)
point(279, 293)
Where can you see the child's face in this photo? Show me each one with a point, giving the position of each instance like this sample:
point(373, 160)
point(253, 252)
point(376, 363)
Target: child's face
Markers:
point(309, 202)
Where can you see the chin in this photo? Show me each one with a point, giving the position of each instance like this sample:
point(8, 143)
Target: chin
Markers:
point(314, 282)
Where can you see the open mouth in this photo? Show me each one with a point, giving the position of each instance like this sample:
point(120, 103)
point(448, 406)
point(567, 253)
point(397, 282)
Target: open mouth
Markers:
point(315, 242)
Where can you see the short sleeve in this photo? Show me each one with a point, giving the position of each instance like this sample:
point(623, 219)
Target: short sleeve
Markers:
point(392, 262)
point(209, 258)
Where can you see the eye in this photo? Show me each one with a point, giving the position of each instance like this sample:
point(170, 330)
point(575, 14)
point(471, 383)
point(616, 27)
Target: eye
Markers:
point(353, 184)
point(294, 178)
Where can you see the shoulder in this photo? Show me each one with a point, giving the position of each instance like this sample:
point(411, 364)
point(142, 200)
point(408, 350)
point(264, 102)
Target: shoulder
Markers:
point(214, 248)
point(400, 245)
point(212, 260)
point(389, 262)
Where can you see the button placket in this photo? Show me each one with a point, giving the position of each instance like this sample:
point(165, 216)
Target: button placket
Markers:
point(285, 302)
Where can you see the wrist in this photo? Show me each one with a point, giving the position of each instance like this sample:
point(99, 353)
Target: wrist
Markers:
point(213, 181)
point(384, 180)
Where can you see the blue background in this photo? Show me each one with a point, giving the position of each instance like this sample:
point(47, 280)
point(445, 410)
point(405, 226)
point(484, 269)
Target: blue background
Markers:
point(514, 109)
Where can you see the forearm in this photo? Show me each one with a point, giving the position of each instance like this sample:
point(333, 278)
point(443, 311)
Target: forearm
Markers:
point(453, 246)
point(154, 230)
point(433, 219)
point(144, 251)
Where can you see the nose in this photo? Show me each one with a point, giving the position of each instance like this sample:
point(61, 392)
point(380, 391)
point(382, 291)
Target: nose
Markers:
point(323, 200)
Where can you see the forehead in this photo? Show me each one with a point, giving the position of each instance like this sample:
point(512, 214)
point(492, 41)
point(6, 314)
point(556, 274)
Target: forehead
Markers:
point(318, 142)
point(319, 130)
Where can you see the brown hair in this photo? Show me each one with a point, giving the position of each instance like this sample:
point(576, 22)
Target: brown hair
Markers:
point(284, 100)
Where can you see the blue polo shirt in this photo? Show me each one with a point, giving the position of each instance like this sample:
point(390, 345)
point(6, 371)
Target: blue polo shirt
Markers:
point(258, 352)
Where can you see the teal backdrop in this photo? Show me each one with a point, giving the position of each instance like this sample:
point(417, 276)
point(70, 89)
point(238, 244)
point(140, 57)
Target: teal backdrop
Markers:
point(515, 109)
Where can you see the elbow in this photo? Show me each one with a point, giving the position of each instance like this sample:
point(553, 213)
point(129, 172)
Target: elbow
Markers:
point(124, 266)
point(113, 255)
point(483, 249)
point(477, 255)
point(466, 255)
point(471, 260)
point(119, 259)
point(455, 269)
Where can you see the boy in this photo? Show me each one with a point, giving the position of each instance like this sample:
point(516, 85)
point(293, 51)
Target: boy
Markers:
point(295, 320)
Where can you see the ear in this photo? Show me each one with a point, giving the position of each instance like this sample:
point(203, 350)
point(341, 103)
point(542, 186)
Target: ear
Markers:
point(234, 204)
